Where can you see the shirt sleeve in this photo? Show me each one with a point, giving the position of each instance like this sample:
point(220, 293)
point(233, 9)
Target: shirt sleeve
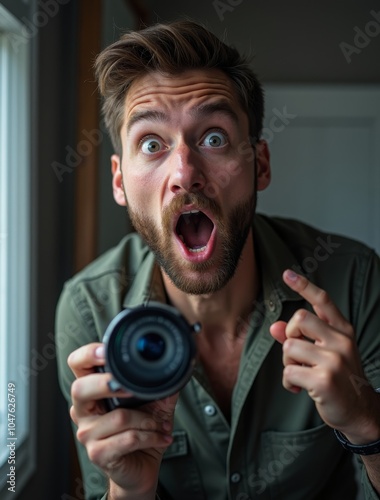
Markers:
point(367, 488)
point(368, 333)
point(72, 331)
point(368, 321)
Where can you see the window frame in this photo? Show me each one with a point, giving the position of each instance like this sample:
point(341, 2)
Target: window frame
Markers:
point(16, 322)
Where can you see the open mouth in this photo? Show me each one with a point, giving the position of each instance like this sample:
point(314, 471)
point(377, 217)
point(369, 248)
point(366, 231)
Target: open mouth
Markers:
point(194, 228)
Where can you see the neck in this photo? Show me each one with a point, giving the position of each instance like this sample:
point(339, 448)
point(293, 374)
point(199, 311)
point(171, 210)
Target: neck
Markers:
point(226, 309)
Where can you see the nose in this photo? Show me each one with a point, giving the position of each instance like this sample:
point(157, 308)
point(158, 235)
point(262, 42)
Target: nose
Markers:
point(186, 173)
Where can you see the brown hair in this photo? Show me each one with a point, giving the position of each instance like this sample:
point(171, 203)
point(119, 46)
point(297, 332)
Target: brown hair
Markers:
point(170, 49)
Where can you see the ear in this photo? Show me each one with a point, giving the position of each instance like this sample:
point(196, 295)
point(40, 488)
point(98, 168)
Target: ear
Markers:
point(263, 165)
point(117, 181)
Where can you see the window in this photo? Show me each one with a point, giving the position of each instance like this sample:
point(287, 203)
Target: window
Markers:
point(15, 319)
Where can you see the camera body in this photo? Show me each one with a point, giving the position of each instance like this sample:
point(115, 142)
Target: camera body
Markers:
point(150, 351)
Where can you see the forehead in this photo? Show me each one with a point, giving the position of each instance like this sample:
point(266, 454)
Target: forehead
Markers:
point(180, 92)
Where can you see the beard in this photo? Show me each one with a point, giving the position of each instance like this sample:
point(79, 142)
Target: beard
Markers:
point(204, 277)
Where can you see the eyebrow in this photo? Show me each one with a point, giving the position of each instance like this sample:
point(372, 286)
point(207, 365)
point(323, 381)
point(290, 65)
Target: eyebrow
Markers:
point(201, 111)
point(211, 108)
point(146, 115)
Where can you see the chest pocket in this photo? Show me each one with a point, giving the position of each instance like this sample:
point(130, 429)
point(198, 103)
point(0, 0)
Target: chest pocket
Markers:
point(305, 464)
point(179, 475)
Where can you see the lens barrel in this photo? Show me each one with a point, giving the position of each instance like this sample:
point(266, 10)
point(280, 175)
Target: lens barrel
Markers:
point(150, 351)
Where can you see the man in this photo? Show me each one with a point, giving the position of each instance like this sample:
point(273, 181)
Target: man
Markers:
point(259, 418)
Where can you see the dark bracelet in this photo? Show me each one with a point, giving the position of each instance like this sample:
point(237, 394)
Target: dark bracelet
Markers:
point(360, 449)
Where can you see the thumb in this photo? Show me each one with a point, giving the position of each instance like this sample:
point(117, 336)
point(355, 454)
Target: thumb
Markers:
point(277, 330)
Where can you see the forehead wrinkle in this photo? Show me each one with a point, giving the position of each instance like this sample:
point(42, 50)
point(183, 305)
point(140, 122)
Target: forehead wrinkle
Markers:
point(220, 106)
point(199, 111)
point(173, 84)
point(153, 93)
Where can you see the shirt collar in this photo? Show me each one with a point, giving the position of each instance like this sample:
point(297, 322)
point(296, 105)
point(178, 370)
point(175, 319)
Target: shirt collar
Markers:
point(147, 284)
point(273, 258)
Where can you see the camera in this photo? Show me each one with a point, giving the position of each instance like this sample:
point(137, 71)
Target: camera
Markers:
point(150, 352)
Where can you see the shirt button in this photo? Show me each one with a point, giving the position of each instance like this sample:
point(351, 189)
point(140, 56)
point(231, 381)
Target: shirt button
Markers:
point(272, 305)
point(235, 477)
point(210, 410)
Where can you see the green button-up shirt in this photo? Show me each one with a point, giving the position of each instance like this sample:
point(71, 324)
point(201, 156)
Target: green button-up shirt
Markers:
point(276, 446)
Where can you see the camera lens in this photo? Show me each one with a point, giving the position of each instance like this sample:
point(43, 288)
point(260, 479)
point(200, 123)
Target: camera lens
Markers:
point(150, 350)
point(151, 346)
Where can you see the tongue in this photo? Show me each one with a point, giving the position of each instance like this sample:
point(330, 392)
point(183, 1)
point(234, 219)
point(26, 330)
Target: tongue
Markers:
point(196, 229)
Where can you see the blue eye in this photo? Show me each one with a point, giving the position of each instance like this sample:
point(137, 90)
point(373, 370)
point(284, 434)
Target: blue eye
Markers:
point(151, 146)
point(215, 140)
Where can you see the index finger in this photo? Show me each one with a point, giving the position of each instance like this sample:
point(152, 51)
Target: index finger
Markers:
point(83, 360)
point(320, 300)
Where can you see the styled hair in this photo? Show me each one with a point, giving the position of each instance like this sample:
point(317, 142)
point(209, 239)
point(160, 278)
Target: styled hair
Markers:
point(171, 49)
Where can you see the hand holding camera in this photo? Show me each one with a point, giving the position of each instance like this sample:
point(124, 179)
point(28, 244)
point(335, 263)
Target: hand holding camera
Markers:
point(148, 352)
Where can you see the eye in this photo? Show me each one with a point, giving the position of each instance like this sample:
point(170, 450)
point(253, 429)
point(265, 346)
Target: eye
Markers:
point(151, 145)
point(215, 139)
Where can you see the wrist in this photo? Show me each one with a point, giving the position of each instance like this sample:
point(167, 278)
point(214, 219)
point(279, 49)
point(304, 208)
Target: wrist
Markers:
point(115, 492)
point(367, 430)
point(366, 449)
point(367, 436)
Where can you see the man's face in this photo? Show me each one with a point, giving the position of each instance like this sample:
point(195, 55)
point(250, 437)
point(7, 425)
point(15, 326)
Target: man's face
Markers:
point(188, 175)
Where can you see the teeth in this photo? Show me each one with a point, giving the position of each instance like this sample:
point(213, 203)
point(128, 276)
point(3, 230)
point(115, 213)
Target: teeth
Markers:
point(191, 212)
point(188, 213)
point(196, 250)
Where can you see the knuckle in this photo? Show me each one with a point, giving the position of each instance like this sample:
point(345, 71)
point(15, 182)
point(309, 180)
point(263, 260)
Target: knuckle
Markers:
point(323, 298)
point(119, 418)
point(349, 331)
point(346, 345)
point(75, 358)
point(76, 389)
point(94, 452)
point(82, 435)
point(132, 440)
point(327, 377)
point(288, 372)
point(299, 316)
point(288, 345)
point(73, 414)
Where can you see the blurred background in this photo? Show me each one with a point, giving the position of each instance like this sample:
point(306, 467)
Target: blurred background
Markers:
point(319, 63)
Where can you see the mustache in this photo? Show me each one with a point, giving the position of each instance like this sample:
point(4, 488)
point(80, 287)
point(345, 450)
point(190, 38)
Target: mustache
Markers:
point(197, 199)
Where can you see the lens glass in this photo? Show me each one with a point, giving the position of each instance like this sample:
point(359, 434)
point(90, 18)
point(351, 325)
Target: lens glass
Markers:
point(151, 346)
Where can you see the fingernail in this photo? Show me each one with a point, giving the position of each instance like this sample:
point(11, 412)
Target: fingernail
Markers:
point(168, 438)
point(99, 352)
point(114, 386)
point(291, 275)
